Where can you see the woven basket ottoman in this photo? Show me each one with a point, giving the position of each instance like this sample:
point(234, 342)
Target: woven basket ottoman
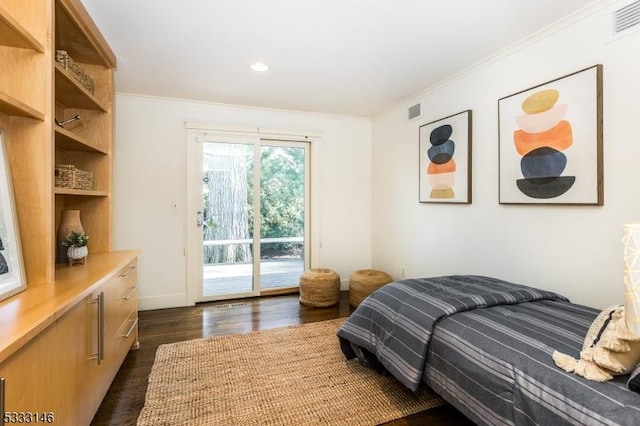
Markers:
point(364, 282)
point(319, 287)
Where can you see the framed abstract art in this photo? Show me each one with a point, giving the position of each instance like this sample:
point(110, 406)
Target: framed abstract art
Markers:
point(12, 277)
point(550, 142)
point(445, 160)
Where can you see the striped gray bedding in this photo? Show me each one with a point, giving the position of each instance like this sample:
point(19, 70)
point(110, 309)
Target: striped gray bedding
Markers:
point(395, 323)
point(494, 364)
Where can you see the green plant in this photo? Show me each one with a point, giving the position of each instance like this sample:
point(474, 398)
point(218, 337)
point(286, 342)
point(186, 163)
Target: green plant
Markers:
point(75, 239)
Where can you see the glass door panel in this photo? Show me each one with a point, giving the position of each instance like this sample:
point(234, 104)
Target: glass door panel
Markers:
point(283, 207)
point(227, 232)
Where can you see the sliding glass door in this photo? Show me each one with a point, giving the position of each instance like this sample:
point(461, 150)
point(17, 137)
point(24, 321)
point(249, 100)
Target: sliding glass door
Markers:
point(253, 217)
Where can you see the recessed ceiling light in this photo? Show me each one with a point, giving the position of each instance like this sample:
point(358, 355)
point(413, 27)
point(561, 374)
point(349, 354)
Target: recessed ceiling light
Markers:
point(260, 67)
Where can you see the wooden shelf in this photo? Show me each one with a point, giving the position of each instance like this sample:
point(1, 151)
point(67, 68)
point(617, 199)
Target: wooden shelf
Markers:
point(69, 141)
point(69, 191)
point(35, 87)
point(12, 106)
point(15, 35)
point(86, 143)
point(71, 94)
point(78, 35)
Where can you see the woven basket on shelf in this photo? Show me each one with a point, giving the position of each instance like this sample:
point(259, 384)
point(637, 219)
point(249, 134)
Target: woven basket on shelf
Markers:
point(68, 176)
point(364, 282)
point(68, 64)
point(319, 287)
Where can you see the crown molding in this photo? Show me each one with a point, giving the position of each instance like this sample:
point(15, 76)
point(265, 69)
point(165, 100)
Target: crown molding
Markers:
point(569, 20)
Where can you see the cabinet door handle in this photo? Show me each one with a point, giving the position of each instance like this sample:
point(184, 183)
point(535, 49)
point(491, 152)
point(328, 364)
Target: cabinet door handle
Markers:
point(100, 327)
point(133, 326)
point(126, 274)
point(2, 401)
point(100, 302)
point(132, 290)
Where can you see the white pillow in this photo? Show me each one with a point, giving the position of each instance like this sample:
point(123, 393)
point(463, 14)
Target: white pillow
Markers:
point(610, 348)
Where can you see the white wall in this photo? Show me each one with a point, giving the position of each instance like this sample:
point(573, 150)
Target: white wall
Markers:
point(150, 173)
point(573, 250)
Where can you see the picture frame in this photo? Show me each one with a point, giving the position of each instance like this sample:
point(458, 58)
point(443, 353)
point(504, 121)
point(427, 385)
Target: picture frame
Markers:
point(445, 159)
point(12, 276)
point(550, 142)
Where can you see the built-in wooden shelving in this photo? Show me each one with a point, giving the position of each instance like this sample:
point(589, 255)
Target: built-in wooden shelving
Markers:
point(70, 141)
point(12, 106)
point(61, 303)
point(71, 94)
point(77, 34)
point(48, 331)
point(87, 142)
point(15, 35)
point(68, 191)
point(25, 113)
point(34, 92)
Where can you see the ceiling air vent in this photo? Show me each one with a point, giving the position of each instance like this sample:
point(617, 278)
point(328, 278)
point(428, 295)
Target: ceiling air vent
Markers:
point(624, 18)
point(415, 111)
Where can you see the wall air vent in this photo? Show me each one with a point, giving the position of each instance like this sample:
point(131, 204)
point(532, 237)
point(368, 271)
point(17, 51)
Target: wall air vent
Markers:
point(624, 18)
point(229, 305)
point(416, 111)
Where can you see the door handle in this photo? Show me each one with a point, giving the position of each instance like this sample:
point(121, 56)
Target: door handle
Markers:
point(199, 219)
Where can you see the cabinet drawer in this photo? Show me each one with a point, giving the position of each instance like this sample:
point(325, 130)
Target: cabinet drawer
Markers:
point(126, 292)
point(127, 278)
point(122, 314)
point(128, 332)
point(126, 304)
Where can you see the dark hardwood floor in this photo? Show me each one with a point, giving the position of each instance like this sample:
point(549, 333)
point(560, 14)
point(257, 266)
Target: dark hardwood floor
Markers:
point(125, 398)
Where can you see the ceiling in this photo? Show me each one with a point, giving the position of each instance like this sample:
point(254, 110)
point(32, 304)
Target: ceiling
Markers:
point(346, 57)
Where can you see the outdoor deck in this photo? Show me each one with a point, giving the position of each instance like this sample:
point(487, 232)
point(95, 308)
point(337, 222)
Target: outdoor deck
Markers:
point(236, 277)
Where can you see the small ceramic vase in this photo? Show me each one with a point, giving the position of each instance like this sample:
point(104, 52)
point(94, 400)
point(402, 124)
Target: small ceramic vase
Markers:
point(77, 254)
point(69, 221)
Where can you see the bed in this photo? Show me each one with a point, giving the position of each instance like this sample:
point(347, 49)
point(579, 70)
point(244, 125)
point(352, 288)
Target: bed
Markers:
point(485, 346)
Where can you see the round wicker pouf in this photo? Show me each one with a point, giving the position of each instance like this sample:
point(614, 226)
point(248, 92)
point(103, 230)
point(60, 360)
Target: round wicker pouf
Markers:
point(319, 287)
point(364, 282)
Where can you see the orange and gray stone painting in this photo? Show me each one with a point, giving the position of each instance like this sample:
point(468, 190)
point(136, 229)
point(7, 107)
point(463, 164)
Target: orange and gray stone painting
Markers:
point(542, 136)
point(442, 167)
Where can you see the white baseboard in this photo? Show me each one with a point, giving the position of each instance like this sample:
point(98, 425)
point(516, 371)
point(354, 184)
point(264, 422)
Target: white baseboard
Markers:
point(180, 299)
point(161, 302)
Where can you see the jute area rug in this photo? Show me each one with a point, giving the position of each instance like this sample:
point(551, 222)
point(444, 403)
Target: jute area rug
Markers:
point(288, 376)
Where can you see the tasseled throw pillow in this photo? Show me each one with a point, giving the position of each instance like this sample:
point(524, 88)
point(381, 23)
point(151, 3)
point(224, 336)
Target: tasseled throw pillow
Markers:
point(610, 348)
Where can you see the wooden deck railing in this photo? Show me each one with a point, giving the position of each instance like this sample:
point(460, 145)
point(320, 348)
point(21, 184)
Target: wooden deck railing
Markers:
point(250, 241)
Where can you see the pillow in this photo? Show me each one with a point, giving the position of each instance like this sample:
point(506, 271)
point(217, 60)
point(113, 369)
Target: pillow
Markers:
point(610, 348)
point(634, 379)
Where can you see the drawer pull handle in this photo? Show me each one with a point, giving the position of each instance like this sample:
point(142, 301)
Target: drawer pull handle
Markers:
point(100, 302)
point(132, 291)
point(133, 325)
point(126, 274)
